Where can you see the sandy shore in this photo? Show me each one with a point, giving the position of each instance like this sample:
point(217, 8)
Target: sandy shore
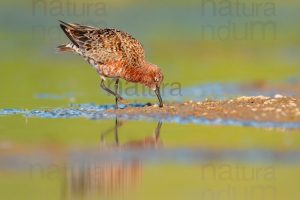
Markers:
point(258, 108)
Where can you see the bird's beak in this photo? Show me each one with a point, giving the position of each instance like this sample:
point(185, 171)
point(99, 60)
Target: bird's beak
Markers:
point(157, 92)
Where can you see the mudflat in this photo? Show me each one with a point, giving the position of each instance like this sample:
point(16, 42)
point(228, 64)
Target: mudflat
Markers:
point(249, 108)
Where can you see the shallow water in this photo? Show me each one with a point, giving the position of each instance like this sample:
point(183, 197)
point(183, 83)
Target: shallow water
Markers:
point(98, 112)
point(77, 158)
point(81, 152)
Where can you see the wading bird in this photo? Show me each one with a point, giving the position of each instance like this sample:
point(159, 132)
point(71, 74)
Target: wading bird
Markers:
point(114, 54)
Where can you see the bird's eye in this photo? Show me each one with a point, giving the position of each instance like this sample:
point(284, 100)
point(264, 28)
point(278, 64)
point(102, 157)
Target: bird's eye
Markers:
point(156, 79)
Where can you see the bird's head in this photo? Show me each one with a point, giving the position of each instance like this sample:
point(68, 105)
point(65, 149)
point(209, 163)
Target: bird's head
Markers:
point(153, 78)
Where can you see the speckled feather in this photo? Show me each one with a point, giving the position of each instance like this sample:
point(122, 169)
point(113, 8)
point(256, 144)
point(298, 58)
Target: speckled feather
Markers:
point(105, 48)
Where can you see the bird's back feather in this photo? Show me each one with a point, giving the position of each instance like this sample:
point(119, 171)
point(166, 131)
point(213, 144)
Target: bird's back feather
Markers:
point(104, 45)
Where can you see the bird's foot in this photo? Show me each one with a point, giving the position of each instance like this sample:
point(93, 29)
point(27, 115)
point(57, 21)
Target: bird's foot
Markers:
point(123, 101)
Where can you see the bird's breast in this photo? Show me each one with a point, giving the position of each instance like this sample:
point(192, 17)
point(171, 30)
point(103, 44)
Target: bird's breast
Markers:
point(111, 70)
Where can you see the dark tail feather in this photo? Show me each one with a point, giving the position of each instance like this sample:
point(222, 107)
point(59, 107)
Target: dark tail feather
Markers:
point(64, 48)
point(69, 25)
point(66, 28)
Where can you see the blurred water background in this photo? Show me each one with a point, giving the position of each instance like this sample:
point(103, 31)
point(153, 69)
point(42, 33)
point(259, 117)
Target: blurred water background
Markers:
point(195, 43)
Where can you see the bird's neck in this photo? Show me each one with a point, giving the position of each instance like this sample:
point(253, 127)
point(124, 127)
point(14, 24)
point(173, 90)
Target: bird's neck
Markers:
point(137, 74)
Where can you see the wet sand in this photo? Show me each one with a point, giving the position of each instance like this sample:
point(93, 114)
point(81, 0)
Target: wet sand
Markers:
point(258, 108)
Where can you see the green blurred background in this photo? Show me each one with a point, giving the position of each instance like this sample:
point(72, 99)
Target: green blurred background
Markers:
point(193, 42)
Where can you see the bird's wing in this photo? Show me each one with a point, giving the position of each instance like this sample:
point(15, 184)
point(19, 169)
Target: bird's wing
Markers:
point(132, 50)
point(105, 45)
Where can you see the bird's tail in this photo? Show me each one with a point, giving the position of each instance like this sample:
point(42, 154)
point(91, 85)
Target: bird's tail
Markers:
point(64, 48)
point(67, 28)
point(75, 32)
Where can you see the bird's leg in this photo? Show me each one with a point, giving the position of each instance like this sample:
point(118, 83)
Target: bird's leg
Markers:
point(116, 91)
point(109, 91)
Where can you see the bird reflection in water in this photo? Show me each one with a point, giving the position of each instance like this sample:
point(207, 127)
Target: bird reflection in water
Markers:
point(108, 178)
point(152, 141)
